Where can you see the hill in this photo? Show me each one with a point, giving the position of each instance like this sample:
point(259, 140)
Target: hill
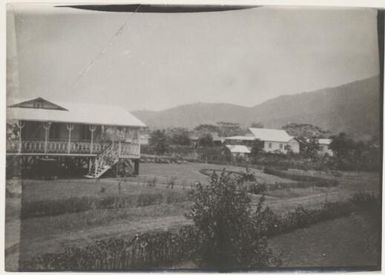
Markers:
point(353, 108)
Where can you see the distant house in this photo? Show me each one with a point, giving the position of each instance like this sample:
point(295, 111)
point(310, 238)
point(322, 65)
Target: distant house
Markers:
point(274, 140)
point(324, 148)
point(72, 134)
point(237, 151)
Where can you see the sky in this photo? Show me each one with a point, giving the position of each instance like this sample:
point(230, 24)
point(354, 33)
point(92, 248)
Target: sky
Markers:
point(157, 61)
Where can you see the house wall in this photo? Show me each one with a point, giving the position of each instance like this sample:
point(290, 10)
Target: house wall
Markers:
point(294, 146)
point(273, 146)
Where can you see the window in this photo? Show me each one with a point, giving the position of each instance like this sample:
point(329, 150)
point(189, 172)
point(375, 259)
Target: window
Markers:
point(281, 146)
point(270, 145)
point(38, 105)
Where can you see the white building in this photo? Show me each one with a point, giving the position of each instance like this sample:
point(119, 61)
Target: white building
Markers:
point(274, 140)
point(324, 148)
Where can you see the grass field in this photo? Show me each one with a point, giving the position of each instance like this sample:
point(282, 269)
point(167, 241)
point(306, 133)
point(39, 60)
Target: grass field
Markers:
point(345, 242)
point(341, 244)
point(53, 233)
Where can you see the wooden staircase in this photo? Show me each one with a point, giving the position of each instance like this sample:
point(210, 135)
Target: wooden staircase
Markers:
point(104, 162)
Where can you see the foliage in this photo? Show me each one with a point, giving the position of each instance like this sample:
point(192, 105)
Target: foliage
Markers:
point(355, 155)
point(206, 128)
point(227, 227)
point(147, 250)
point(304, 130)
point(342, 145)
point(229, 129)
point(257, 125)
point(310, 147)
point(257, 188)
point(205, 140)
point(159, 142)
point(180, 136)
point(256, 148)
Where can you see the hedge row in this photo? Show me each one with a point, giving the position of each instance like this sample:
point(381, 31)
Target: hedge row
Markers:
point(79, 204)
point(151, 250)
point(302, 181)
point(144, 251)
point(317, 181)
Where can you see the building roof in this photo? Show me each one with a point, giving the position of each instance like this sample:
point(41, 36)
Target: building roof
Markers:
point(324, 141)
point(241, 138)
point(270, 134)
point(238, 149)
point(74, 113)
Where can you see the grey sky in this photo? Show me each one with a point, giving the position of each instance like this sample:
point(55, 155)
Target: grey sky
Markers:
point(163, 60)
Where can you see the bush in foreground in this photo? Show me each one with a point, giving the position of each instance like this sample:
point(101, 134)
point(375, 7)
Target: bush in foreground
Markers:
point(230, 234)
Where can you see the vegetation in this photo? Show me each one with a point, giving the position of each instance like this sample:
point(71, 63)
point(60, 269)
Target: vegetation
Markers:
point(257, 125)
point(256, 149)
point(305, 130)
point(144, 251)
point(309, 147)
point(205, 140)
point(159, 142)
point(355, 155)
point(229, 232)
point(180, 136)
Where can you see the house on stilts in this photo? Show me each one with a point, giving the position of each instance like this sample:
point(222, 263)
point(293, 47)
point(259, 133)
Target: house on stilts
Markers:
point(84, 137)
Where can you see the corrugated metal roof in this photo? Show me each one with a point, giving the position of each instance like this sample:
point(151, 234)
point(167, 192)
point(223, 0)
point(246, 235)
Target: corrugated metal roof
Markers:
point(241, 138)
point(270, 134)
point(77, 113)
point(238, 149)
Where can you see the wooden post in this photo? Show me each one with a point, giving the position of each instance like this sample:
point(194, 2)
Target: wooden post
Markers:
point(46, 126)
point(70, 127)
point(92, 129)
point(136, 167)
point(20, 125)
point(89, 165)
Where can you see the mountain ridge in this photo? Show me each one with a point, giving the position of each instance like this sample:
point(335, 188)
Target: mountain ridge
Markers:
point(334, 108)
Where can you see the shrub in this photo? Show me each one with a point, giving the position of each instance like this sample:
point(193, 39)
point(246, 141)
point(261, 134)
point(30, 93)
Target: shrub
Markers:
point(316, 181)
point(227, 228)
point(256, 188)
point(151, 249)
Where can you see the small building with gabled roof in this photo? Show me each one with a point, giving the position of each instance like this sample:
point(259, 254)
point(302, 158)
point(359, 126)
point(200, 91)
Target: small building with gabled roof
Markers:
point(237, 151)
